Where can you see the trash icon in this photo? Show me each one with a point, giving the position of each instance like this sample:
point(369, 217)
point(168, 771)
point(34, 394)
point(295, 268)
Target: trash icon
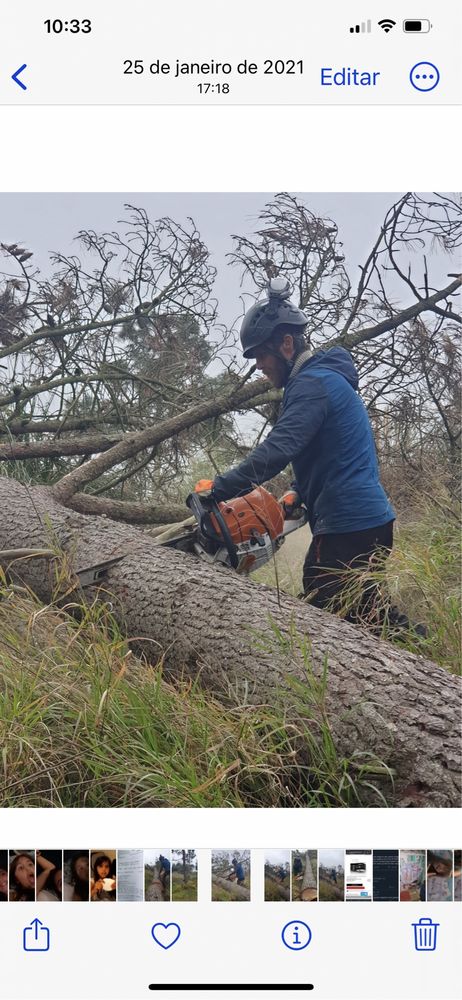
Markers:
point(425, 934)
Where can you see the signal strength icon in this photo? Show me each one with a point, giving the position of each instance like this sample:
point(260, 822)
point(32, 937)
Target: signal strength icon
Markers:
point(364, 28)
point(386, 24)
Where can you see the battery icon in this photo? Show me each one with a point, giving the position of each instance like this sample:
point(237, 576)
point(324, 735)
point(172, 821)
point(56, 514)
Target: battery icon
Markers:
point(417, 27)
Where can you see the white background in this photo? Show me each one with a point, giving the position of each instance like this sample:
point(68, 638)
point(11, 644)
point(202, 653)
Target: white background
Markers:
point(234, 149)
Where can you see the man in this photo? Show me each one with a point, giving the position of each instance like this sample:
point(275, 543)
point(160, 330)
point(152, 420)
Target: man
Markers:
point(324, 431)
point(281, 873)
point(238, 871)
point(297, 867)
point(164, 874)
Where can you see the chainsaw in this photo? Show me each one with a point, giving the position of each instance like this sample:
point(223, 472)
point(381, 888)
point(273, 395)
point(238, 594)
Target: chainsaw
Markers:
point(243, 533)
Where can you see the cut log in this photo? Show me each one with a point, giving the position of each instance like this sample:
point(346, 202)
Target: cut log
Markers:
point(235, 890)
point(209, 622)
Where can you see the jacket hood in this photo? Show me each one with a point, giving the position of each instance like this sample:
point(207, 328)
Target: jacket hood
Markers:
point(337, 359)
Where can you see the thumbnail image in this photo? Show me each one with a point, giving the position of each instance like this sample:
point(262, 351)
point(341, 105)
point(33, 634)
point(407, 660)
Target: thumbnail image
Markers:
point(386, 875)
point(458, 876)
point(3, 876)
point(76, 876)
point(439, 876)
point(412, 876)
point(305, 876)
point(277, 876)
point(230, 876)
point(49, 876)
point(358, 875)
point(165, 359)
point(130, 876)
point(184, 875)
point(331, 875)
point(22, 876)
point(157, 875)
point(103, 883)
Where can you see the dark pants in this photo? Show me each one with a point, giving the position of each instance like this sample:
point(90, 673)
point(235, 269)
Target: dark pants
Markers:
point(328, 584)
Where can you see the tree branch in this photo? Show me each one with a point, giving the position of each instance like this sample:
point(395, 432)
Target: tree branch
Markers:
point(369, 333)
point(137, 441)
point(13, 451)
point(58, 332)
point(124, 510)
point(17, 426)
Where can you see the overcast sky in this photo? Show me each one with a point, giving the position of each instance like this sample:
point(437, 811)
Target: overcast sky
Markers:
point(152, 855)
point(45, 222)
point(277, 857)
point(331, 857)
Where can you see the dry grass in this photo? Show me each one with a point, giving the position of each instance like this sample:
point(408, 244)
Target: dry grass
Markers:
point(83, 722)
point(421, 578)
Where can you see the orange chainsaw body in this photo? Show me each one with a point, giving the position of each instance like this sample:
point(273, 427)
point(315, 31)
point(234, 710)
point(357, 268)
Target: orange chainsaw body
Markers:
point(243, 533)
point(255, 513)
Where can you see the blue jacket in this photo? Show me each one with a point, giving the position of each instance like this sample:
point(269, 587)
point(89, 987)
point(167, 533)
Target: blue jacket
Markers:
point(324, 431)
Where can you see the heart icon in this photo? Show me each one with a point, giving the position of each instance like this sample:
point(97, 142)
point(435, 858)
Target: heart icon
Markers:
point(165, 934)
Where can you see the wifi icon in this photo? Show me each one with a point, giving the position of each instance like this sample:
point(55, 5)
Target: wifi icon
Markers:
point(386, 24)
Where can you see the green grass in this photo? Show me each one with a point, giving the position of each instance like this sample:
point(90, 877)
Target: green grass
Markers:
point(421, 578)
point(330, 891)
point(184, 891)
point(83, 722)
point(271, 891)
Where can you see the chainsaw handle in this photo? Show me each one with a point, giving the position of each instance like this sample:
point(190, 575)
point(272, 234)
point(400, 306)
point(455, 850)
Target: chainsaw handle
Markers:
point(294, 523)
point(202, 515)
point(202, 506)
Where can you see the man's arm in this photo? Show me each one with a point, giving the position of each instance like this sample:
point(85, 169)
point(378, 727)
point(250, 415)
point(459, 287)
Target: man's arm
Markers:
point(305, 409)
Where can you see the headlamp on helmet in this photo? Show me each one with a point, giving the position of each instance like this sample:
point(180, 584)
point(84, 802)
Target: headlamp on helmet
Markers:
point(263, 318)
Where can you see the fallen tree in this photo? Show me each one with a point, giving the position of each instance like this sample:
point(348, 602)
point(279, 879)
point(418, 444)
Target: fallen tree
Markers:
point(235, 890)
point(154, 892)
point(308, 887)
point(241, 639)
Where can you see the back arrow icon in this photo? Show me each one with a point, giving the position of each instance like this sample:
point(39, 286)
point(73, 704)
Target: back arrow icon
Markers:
point(16, 75)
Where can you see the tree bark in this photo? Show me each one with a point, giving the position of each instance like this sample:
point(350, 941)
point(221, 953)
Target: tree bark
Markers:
point(154, 892)
point(209, 622)
point(239, 891)
point(308, 887)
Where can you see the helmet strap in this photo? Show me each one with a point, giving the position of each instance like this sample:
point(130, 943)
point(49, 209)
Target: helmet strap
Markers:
point(299, 361)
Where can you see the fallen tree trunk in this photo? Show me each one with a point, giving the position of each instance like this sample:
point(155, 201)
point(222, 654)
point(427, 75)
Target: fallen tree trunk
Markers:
point(308, 888)
point(154, 893)
point(208, 621)
point(238, 891)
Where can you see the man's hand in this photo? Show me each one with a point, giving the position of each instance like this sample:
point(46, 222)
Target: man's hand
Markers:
point(290, 502)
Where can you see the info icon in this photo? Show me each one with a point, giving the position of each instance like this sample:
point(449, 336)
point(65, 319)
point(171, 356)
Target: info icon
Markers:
point(296, 935)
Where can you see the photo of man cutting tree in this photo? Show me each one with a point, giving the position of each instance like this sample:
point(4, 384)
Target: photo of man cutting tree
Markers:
point(229, 500)
point(324, 430)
